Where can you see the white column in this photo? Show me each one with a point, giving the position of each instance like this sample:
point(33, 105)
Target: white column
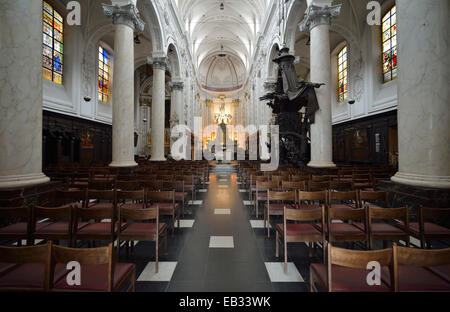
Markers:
point(317, 20)
point(423, 93)
point(126, 19)
point(158, 109)
point(21, 94)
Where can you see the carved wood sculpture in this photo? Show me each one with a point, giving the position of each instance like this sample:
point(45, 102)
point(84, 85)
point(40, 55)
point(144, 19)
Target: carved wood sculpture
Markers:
point(290, 96)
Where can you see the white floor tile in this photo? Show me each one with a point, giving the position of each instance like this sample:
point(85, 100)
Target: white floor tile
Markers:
point(203, 191)
point(223, 180)
point(196, 202)
point(221, 242)
point(248, 202)
point(24, 242)
point(276, 272)
point(186, 223)
point(223, 186)
point(414, 241)
point(223, 196)
point(258, 224)
point(243, 191)
point(222, 211)
point(165, 272)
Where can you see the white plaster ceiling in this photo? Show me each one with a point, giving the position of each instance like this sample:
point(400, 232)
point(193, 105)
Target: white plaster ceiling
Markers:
point(231, 32)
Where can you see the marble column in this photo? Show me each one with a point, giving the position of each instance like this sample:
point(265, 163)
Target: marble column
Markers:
point(423, 93)
point(158, 109)
point(126, 19)
point(176, 104)
point(317, 20)
point(21, 94)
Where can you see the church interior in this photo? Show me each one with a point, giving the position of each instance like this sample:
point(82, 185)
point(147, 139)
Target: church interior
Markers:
point(224, 146)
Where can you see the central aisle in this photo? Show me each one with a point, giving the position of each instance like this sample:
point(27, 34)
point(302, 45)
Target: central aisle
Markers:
point(221, 252)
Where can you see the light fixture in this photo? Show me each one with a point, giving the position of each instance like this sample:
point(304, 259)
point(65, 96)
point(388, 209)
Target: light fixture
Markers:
point(137, 40)
point(222, 6)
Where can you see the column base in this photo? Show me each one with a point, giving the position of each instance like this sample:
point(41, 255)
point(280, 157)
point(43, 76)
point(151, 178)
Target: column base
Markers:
point(321, 164)
point(123, 164)
point(158, 159)
point(441, 182)
point(26, 180)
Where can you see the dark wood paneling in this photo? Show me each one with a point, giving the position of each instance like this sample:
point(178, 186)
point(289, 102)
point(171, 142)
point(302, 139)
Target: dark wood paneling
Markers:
point(363, 141)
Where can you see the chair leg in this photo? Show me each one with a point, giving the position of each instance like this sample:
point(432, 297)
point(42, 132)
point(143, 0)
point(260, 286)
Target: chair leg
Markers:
point(311, 281)
point(133, 279)
point(277, 247)
point(266, 223)
point(132, 248)
point(165, 244)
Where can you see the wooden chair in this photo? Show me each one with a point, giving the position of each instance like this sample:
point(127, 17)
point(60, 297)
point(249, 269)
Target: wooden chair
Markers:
point(421, 269)
point(151, 186)
point(312, 200)
point(131, 199)
point(318, 186)
point(100, 199)
point(53, 224)
point(180, 195)
point(320, 178)
point(16, 224)
point(361, 181)
point(428, 228)
point(383, 230)
point(167, 205)
point(300, 232)
point(71, 197)
point(343, 230)
point(346, 271)
point(97, 230)
point(253, 180)
point(142, 231)
point(293, 186)
point(261, 192)
point(373, 199)
point(99, 273)
point(282, 199)
point(25, 268)
point(101, 185)
point(347, 200)
point(341, 186)
point(128, 186)
point(299, 178)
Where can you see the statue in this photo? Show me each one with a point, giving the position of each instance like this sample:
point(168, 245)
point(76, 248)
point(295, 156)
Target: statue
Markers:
point(290, 96)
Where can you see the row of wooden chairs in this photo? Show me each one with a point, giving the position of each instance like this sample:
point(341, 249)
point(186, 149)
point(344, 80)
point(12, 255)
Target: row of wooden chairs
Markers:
point(45, 268)
point(400, 269)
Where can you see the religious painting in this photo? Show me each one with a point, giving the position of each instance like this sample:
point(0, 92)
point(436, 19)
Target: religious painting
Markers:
point(87, 140)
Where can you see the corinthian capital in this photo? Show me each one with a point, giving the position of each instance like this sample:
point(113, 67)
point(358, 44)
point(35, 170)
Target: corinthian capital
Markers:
point(177, 86)
point(319, 15)
point(125, 14)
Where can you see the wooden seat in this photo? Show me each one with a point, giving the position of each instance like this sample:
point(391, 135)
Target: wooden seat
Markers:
point(346, 271)
point(53, 224)
point(422, 270)
point(428, 228)
point(261, 192)
point(299, 232)
point(28, 268)
point(180, 195)
point(373, 199)
point(167, 205)
point(347, 200)
point(17, 226)
point(346, 231)
point(99, 273)
point(281, 199)
point(311, 200)
point(318, 186)
point(142, 231)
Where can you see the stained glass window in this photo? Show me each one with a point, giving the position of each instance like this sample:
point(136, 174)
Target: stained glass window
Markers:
point(104, 75)
point(389, 40)
point(52, 44)
point(342, 75)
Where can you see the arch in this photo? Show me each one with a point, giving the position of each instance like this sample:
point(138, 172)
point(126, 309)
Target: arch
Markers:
point(150, 15)
point(272, 68)
point(174, 59)
point(295, 13)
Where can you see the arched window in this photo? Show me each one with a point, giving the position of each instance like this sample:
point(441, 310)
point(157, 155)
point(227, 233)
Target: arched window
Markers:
point(342, 75)
point(104, 75)
point(53, 44)
point(389, 40)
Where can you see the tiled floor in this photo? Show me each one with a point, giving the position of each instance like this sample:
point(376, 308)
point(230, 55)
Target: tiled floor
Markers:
point(220, 246)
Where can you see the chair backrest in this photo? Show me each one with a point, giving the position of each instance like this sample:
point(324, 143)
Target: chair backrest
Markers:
point(341, 185)
point(89, 256)
point(388, 214)
point(101, 185)
point(277, 178)
point(418, 257)
point(100, 195)
point(71, 195)
point(435, 214)
point(342, 196)
point(30, 254)
point(139, 214)
point(285, 196)
point(346, 214)
point(166, 177)
point(358, 259)
point(289, 185)
point(263, 185)
point(177, 186)
point(131, 195)
point(315, 178)
point(305, 215)
point(299, 178)
point(318, 186)
point(58, 213)
point(15, 213)
point(312, 196)
point(161, 196)
point(128, 186)
point(373, 196)
point(151, 185)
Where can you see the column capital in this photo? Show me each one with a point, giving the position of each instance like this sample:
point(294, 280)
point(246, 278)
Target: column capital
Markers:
point(177, 86)
point(319, 15)
point(157, 62)
point(125, 14)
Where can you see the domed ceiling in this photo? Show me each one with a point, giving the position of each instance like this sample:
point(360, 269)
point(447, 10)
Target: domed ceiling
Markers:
point(223, 35)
